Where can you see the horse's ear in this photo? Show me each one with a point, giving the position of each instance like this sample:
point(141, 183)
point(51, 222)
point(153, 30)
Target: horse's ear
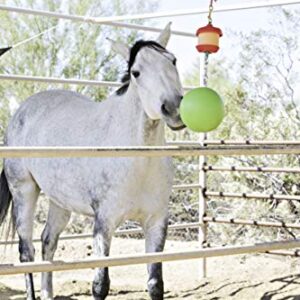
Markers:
point(120, 48)
point(164, 36)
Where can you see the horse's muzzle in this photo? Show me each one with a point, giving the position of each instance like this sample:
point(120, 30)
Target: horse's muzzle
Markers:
point(177, 128)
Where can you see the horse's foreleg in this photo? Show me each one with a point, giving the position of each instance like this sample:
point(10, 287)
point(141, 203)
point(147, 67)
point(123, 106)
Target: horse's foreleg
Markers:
point(102, 240)
point(155, 235)
point(56, 222)
point(24, 202)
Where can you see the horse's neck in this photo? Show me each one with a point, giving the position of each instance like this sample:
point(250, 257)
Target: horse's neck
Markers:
point(143, 130)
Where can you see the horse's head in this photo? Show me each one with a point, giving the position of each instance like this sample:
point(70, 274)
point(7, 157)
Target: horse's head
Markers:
point(152, 72)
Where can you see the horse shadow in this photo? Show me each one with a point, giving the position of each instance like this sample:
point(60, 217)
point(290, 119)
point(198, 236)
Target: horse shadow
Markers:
point(72, 296)
point(113, 293)
point(65, 297)
point(287, 288)
point(7, 293)
point(208, 294)
point(290, 283)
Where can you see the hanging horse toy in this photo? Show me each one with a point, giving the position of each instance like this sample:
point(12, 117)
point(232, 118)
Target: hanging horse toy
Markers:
point(111, 190)
point(202, 109)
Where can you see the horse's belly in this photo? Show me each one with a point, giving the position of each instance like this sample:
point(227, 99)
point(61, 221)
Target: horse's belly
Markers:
point(148, 191)
point(71, 204)
point(126, 188)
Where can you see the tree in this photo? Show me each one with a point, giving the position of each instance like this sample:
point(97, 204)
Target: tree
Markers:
point(259, 88)
point(71, 50)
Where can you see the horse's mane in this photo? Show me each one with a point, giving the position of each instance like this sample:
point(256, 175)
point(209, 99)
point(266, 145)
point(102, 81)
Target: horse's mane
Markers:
point(133, 53)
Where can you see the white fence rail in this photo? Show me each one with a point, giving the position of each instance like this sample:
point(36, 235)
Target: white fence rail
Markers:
point(144, 151)
point(178, 13)
point(54, 80)
point(125, 260)
point(117, 233)
point(92, 20)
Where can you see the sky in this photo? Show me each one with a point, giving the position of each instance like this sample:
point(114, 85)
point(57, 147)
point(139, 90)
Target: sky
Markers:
point(184, 47)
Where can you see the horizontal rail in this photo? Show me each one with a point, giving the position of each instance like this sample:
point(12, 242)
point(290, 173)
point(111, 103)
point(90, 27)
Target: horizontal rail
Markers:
point(67, 81)
point(124, 260)
point(189, 186)
point(250, 142)
point(117, 233)
point(183, 143)
point(192, 186)
point(250, 222)
point(59, 80)
point(234, 142)
point(143, 151)
point(169, 143)
point(109, 21)
point(252, 169)
point(251, 196)
point(255, 5)
point(235, 195)
point(295, 253)
point(186, 12)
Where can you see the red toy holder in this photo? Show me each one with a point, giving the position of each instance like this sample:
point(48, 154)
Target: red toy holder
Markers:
point(208, 39)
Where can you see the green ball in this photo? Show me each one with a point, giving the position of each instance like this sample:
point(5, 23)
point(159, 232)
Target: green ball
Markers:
point(202, 109)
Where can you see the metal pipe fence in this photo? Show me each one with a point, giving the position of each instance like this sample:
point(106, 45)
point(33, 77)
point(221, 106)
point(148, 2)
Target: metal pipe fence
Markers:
point(235, 221)
point(145, 151)
point(251, 169)
point(70, 81)
point(125, 260)
point(250, 142)
point(109, 21)
point(121, 232)
point(181, 148)
point(144, 16)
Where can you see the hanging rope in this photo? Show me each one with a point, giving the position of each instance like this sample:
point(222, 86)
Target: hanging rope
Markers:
point(205, 73)
point(6, 49)
point(206, 58)
point(210, 10)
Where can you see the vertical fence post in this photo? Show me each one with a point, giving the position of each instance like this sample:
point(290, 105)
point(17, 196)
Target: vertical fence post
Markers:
point(202, 176)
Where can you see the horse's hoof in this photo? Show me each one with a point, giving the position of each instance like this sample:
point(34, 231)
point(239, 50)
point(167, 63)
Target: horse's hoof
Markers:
point(46, 295)
point(156, 289)
point(100, 290)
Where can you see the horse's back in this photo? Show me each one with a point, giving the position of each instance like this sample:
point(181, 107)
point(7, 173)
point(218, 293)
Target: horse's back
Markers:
point(49, 118)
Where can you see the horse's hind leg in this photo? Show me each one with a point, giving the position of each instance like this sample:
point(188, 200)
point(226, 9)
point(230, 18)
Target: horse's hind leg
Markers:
point(56, 222)
point(155, 235)
point(102, 240)
point(25, 194)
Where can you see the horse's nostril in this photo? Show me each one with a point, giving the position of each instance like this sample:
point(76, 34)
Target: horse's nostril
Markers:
point(169, 109)
point(165, 110)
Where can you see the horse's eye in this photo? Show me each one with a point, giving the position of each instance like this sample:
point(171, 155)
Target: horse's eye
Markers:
point(136, 74)
point(174, 61)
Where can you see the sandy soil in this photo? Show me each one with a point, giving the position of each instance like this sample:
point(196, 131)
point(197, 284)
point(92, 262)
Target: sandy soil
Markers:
point(237, 277)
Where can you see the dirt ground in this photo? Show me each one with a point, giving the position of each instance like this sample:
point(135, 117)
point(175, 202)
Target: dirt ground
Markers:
point(236, 277)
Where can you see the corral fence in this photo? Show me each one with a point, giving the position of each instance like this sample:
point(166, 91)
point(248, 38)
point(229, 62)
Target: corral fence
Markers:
point(201, 148)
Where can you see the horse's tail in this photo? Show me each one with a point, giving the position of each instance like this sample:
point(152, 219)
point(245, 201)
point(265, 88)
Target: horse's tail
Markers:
point(5, 197)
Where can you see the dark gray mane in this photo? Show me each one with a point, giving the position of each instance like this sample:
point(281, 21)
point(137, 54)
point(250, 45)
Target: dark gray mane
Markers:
point(133, 53)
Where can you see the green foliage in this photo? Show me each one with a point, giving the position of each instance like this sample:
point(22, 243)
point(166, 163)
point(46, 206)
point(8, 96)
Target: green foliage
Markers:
point(259, 88)
point(71, 50)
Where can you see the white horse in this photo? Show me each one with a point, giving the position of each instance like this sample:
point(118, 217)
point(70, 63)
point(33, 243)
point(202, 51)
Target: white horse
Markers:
point(111, 190)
